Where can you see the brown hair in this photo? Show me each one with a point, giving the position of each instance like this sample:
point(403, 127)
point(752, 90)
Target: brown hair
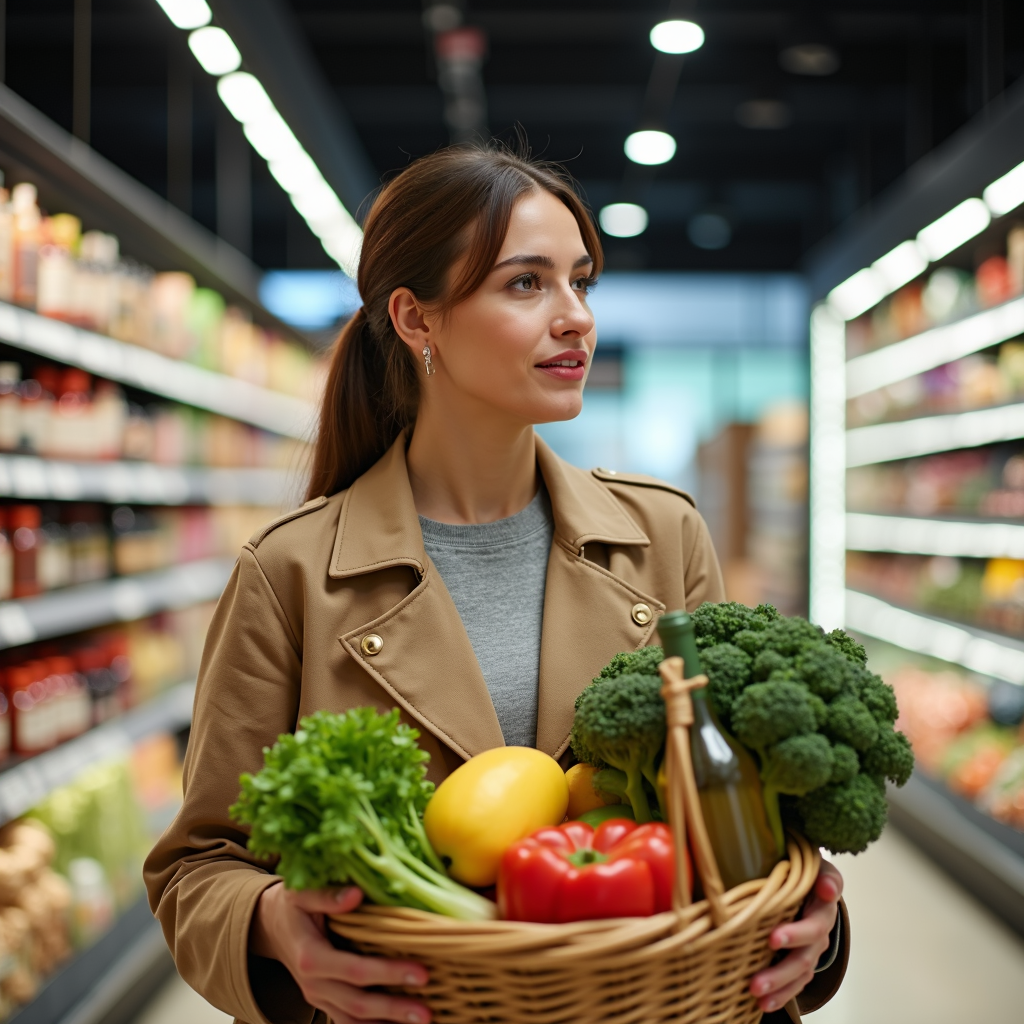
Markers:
point(414, 233)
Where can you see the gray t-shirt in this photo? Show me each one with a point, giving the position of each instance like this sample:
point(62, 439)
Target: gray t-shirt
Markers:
point(495, 573)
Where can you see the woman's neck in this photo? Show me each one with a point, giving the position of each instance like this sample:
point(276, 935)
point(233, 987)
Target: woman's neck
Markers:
point(475, 471)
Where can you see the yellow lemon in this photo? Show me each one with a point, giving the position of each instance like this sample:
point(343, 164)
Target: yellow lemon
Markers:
point(488, 803)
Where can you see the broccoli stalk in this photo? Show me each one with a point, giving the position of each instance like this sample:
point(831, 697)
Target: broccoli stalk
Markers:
point(341, 801)
point(620, 723)
point(777, 720)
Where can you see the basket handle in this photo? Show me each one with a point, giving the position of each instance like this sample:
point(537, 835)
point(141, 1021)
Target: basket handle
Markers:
point(684, 810)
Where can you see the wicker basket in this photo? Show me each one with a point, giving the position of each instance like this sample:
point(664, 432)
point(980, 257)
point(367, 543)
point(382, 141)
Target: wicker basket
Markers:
point(692, 965)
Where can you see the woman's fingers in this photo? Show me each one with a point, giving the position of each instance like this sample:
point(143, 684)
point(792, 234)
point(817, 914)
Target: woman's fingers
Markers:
point(829, 886)
point(343, 1002)
point(325, 901)
point(813, 928)
point(776, 1000)
point(798, 966)
point(371, 970)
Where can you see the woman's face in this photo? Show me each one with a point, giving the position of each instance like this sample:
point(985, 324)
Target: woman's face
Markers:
point(523, 342)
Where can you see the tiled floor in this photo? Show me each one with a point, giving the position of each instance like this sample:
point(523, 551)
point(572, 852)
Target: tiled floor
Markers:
point(923, 952)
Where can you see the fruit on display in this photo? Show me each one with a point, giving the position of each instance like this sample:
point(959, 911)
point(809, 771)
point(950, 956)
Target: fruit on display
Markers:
point(584, 796)
point(492, 800)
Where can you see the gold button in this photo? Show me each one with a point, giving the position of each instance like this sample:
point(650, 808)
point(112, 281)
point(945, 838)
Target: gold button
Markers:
point(641, 613)
point(373, 644)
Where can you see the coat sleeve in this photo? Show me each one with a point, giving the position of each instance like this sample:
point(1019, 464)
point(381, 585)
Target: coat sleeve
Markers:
point(203, 884)
point(701, 572)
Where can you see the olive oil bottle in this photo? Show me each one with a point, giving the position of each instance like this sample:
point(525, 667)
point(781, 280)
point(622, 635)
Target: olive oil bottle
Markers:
point(727, 777)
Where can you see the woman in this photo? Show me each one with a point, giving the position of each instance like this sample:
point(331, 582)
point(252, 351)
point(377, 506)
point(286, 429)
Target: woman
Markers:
point(446, 562)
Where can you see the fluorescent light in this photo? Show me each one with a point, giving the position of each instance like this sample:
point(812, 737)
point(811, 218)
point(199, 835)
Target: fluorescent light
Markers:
point(187, 13)
point(900, 265)
point(1005, 193)
point(827, 468)
point(910, 535)
point(271, 137)
point(858, 293)
point(215, 50)
point(886, 442)
point(952, 229)
point(295, 171)
point(933, 348)
point(973, 649)
point(244, 96)
point(623, 220)
point(650, 147)
point(677, 36)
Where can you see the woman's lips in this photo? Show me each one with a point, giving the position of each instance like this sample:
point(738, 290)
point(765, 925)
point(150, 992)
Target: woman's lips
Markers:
point(566, 366)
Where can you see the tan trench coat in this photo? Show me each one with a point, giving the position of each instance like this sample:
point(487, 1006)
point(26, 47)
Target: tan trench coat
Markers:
point(285, 642)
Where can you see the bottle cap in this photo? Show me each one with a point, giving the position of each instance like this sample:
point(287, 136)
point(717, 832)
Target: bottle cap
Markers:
point(679, 639)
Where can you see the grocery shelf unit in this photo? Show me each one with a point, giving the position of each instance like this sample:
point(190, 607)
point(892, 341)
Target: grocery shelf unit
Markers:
point(984, 854)
point(109, 981)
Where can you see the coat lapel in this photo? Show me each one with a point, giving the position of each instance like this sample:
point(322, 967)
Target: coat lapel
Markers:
point(426, 662)
point(588, 611)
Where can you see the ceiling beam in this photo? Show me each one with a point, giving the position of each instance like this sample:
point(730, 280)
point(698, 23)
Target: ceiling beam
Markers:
point(275, 51)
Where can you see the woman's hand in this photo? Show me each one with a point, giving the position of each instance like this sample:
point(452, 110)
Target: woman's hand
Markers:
point(289, 926)
point(806, 939)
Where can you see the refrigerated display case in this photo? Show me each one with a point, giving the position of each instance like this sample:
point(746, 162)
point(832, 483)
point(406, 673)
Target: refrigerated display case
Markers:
point(917, 484)
point(152, 416)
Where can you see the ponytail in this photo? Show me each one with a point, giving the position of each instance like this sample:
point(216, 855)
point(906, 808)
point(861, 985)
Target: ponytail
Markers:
point(455, 203)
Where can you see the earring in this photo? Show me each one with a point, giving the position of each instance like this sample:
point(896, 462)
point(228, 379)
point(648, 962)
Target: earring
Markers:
point(426, 360)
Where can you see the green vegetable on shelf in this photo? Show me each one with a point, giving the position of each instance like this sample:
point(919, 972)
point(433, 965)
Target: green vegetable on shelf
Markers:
point(342, 801)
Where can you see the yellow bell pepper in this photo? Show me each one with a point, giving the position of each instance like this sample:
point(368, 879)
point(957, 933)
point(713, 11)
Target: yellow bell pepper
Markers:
point(490, 802)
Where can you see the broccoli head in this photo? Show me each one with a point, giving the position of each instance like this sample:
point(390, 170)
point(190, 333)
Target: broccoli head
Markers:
point(766, 662)
point(844, 818)
point(719, 623)
point(793, 767)
point(847, 646)
point(845, 764)
point(644, 661)
point(879, 698)
point(728, 672)
point(849, 721)
point(620, 723)
point(771, 711)
point(791, 636)
point(890, 757)
point(824, 670)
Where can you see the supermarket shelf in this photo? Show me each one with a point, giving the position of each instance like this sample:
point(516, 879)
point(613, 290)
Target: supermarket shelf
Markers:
point(110, 982)
point(934, 348)
point(144, 483)
point(911, 535)
point(26, 784)
point(984, 855)
point(118, 600)
point(972, 648)
point(170, 378)
point(886, 442)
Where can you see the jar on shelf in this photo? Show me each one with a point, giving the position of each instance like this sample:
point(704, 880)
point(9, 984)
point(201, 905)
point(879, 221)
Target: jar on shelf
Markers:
point(24, 523)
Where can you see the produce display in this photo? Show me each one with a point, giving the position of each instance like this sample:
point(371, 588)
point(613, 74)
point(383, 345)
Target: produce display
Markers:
point(986, 482)
point(980, 592)
point(968, 734)
point(346, 800)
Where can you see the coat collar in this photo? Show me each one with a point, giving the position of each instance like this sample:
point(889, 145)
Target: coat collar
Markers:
point(378, 526)
point(427, 663)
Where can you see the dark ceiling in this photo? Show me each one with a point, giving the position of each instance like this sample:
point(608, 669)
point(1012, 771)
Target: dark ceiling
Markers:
point(574, 76)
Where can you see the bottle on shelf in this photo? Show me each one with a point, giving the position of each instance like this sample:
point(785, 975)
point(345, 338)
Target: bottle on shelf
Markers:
point(6, 559)
point(24, 522)
point(727, 778)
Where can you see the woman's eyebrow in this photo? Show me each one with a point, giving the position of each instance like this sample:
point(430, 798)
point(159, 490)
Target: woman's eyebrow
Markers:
point(541, 261)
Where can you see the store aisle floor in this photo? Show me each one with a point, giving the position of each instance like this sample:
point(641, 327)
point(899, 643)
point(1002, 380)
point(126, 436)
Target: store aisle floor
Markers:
point(924, 951)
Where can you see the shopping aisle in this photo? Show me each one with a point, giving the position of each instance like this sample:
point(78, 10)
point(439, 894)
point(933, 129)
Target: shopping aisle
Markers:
point(176, 1002)
point(924, 951)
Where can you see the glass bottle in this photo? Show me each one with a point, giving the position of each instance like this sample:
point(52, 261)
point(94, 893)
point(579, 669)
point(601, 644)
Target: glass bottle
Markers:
point(727, 777)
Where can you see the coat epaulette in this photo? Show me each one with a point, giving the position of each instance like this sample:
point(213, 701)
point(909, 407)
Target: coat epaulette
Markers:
point(310, 506)
point(613, 476)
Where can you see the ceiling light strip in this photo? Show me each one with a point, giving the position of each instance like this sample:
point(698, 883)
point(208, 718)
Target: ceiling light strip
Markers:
point(984, 653)
point(859, 292)
point(269, 134)
point(887, 442)
point(934, 348)
point(910, 535)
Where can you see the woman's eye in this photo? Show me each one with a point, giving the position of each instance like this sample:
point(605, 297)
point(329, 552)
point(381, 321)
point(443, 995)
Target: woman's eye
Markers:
point(584, 284)
point(526, 283)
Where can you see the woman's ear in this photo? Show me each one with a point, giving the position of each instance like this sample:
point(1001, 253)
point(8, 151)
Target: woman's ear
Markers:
point(411, 320)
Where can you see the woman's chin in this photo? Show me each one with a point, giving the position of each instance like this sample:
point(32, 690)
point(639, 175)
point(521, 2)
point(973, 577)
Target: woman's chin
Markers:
point(568, 407)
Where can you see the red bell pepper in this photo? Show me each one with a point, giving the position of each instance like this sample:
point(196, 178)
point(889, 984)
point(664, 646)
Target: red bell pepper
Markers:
point(576, 873)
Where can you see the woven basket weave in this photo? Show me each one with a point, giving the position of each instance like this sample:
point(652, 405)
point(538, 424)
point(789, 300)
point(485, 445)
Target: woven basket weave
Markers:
point(691, 965)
